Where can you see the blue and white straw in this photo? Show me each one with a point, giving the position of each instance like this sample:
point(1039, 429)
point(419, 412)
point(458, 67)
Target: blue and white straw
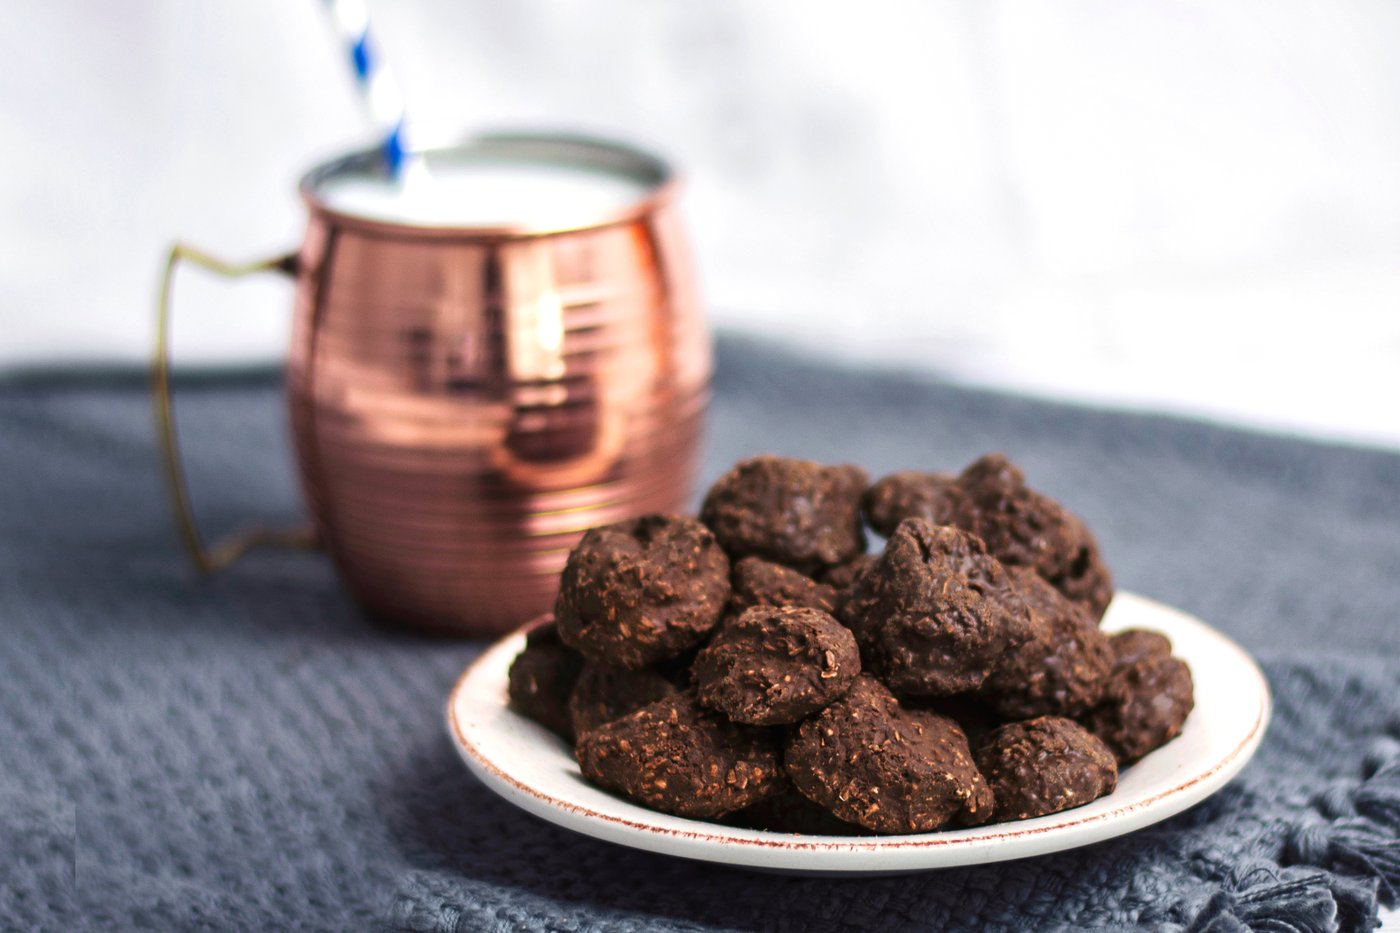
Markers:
point(377, 85)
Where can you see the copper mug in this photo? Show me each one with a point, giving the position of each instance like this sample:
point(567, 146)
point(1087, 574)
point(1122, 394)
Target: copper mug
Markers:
point(466, 401)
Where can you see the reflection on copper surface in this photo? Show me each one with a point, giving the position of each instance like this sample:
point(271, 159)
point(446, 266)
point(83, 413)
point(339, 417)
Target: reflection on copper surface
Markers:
point(465, 406)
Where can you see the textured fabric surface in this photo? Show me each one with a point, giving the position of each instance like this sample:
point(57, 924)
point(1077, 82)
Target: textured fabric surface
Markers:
point(249, 752)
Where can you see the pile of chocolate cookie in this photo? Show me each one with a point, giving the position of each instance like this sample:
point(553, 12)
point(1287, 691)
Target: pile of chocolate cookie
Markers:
point(757, 666)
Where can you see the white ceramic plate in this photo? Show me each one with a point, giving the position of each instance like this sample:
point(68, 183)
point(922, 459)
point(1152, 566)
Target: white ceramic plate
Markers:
point(533, 769)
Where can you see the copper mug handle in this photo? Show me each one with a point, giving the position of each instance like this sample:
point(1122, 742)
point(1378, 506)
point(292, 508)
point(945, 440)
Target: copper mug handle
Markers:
point(230, 549)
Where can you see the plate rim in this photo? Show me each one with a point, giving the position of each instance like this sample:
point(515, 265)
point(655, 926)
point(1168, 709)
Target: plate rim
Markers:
point(746, 848)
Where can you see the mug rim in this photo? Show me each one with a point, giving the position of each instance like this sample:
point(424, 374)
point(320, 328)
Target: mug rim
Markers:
point(655, 173)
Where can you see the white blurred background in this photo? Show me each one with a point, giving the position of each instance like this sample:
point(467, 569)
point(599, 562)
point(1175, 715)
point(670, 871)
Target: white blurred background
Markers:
point(1189, 206)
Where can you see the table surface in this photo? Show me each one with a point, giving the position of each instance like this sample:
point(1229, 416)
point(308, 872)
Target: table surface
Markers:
point(249, 751)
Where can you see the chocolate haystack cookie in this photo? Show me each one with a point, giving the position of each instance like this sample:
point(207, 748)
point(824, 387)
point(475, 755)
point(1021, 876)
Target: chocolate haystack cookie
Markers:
point(757, 582)
point(794, 512)
point(1023, 528)
point(773, 666)
point(678, 757)
point(888, 769)
point(643, 590)
point(935, 612)
point(1138, 644)
point(1063, 670)
point(1044, 766)
point(935, 497)
point(605, 692)
point(541, 678)
point(1145, 705)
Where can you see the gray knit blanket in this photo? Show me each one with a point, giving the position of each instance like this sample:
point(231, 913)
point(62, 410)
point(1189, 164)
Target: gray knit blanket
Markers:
point(249, 752)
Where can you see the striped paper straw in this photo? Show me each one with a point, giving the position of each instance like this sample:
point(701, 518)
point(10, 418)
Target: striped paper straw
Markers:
point(377, 86)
